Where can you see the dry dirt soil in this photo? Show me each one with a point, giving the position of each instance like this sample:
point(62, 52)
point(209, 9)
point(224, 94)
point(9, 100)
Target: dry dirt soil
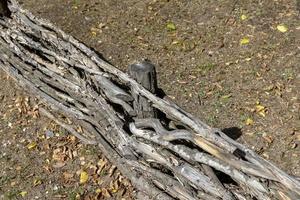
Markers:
point(234, 64)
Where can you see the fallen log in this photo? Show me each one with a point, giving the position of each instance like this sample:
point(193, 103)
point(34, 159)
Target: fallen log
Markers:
point(166, 152)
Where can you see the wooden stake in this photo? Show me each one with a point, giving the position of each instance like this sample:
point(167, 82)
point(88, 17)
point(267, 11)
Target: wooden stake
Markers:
point(145, 74)
point(4, 11)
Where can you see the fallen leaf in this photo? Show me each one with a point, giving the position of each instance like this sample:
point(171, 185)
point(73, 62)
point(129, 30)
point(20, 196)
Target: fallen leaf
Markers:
point(175, 42)
point(94, 33)
point(114, 190)
point(101, 163)
point(31, 145)
point(37, 182)
point(59, 155)
point(244, 41)
point(244, 17)
point(268, 138)
point(73, 138)
point(282, 28)
point(228, 63)
point(98, 191)
point(249, 121)
point(266, 155)
point(294, 145)
point(250, 133)
point(23, 193)
point(79, 129)
point(262, 113)
point(112, 170)
point(226, 96)
point(259, 108)
point(106, 193)
point(84, 177)
point(171, 26)
point(114, 186)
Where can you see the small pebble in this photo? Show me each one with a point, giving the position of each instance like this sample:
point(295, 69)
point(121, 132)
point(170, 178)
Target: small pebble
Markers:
point(55, 187)
point(49, 134)
point(87, 18)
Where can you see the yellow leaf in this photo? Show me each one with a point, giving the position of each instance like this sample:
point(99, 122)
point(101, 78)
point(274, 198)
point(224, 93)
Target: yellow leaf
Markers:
point(98, 191)
point(94, 33)
point(171, 26)
point(243, 17)
point(282, 28)
point(244, 41)
point(37, 182)
point(175, 42)
point(226, 96)
point(84, 177)
point(114, 190)
point(23, 193)
point(259, 108)
point(249, 121)
point(262, 113)
point(31, 145)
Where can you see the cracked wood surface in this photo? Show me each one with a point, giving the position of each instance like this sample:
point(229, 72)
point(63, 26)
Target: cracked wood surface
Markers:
point(162, 160)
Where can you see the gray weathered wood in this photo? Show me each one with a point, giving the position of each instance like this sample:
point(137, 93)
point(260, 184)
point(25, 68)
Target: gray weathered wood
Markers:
point(118, 113)
point(145, 74)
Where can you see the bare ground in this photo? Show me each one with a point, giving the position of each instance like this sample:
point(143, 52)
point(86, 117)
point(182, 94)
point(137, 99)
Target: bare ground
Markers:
point(249, 90)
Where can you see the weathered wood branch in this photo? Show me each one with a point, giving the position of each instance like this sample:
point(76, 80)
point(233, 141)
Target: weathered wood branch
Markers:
point(118, 112)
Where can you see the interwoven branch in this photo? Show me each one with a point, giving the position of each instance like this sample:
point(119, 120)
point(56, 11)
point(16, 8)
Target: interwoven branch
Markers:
point(163, 161)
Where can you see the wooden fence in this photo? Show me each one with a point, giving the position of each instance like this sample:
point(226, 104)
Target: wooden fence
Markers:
point(166, 152)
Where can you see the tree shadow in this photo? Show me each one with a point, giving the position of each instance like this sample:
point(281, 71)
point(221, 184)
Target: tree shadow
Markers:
point(233, 132)
point(100, 55)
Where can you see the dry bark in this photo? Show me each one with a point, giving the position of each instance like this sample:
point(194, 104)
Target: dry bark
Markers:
point(119, 113)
